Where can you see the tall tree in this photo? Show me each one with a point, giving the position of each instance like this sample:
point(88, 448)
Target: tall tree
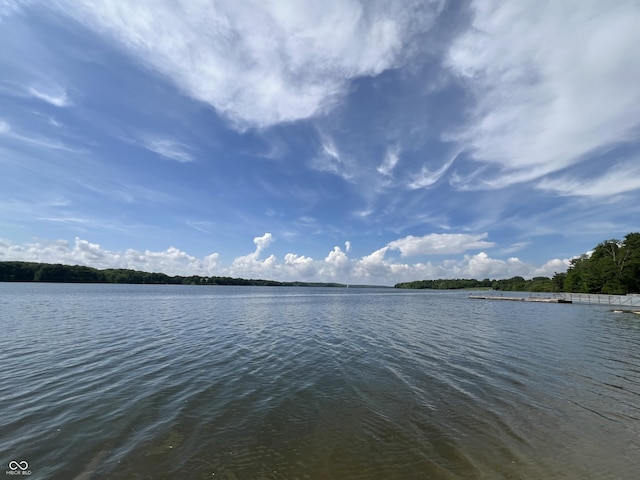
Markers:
point(612, 268)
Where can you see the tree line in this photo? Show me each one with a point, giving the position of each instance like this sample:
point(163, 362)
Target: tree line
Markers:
point(59, 273)
point(514, 284)
point(613, 267)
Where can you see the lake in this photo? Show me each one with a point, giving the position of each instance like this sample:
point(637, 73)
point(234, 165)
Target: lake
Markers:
point(170, 381)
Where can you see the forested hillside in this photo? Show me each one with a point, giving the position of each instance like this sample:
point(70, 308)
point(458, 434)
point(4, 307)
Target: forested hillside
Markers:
point(58, 273)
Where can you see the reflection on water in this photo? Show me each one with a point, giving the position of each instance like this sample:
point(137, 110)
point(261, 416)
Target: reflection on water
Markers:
point(122, 382)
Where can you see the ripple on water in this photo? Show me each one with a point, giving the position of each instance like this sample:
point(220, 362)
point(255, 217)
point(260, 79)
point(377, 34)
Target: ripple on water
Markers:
point(106, 381)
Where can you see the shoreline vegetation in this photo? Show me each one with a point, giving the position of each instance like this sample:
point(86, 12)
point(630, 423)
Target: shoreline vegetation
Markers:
point(59, 273)
point(613, 267)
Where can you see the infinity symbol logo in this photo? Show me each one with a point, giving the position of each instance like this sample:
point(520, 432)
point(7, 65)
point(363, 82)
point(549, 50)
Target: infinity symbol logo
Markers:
point(23, 465)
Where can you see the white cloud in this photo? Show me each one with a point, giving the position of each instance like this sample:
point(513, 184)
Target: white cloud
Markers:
point(58, 97)
point(171, 261)
point(514, 247)
point(615, 180)
point(167, 147)
point(330, 159)
point(426, 177)
point(482, 266)
point(259, 63)
point(374, 268)
point(373, 265)
point(347, 246)
point(9, 7)
point(390, 161)
point(263, 242)
point(439, 243)
point(35, 140)
point(251, 265)
point(553, 83)
point(336, 262)
point(201, 226)
point(299, 266)
point(551, 267)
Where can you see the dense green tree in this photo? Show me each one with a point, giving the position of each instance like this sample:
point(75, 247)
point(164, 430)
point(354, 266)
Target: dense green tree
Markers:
point(612, 268)
point(630, 271)
point(446, 284)
point(558, 281)
point(18, 271)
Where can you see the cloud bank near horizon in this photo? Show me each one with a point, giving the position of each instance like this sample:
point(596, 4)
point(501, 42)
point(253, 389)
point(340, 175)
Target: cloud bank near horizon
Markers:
point(337, 266)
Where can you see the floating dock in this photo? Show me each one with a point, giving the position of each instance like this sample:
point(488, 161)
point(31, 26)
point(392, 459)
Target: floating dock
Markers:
point(522, 299)
point(630, 301)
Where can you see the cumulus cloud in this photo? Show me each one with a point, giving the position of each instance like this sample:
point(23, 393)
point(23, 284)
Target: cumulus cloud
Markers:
point(483, 266)
point(347, 246)
point(259, 63)
point(553, 81)
point(171, 261)
point(299, 265)
point(336, 264)
point(551, 267)
point(251, 264)
point(374, 264)
point(263, 242)
point(375, 268)
point(439, 243)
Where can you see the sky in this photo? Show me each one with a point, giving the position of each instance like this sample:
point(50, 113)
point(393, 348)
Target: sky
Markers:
point(367, 142)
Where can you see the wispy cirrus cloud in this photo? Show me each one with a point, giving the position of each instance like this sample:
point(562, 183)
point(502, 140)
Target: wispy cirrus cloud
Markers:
point(615, 180)
point(201, 226)
point(259, 63)
point(514, 247)
point(330, 159)
point(36, 140)
point(55, 97)
point(391, 159)
point(426, 177)
point(439, 244)
point(167, 147)
point(553, 82)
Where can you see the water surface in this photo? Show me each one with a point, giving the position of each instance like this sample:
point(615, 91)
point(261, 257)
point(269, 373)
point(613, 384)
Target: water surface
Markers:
point(134, 381)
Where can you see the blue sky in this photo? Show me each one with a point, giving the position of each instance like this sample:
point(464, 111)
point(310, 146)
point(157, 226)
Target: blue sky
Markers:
point(360, 142)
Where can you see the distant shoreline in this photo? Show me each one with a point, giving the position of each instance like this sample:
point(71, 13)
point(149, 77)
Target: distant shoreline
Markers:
point(34, 272)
